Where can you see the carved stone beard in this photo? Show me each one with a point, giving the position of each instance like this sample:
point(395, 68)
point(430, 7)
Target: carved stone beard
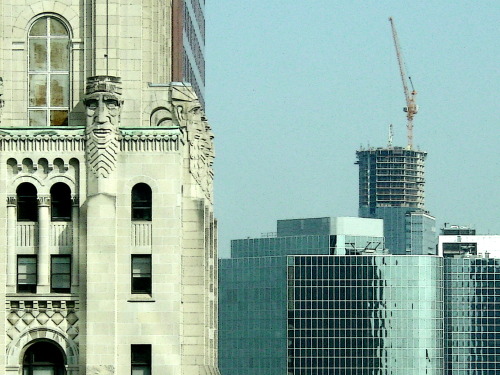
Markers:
point(102, 149)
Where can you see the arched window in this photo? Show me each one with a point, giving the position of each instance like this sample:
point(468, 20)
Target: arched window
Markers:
point(48, 71)
point(141, 202)
point(43, 358)
point(27, 203)
point(60, 202)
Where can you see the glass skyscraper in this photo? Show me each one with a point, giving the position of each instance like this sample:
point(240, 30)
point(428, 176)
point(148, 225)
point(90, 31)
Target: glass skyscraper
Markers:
point(360, 315)
point(305, 304)
point(472, 315)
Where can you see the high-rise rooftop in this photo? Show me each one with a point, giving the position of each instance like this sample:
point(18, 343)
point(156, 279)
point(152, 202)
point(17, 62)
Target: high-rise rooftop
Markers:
point(391, 187)
point(390, 177)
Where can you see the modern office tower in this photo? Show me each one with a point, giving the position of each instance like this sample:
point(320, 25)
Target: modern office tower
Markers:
point(292, 305)
point(108, 236)
point(368, 314)
point(472, 313)
point(188, 44)
point(472, 300)
point(391, 187)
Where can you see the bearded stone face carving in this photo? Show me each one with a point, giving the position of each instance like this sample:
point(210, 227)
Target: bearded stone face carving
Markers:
point(103, 108)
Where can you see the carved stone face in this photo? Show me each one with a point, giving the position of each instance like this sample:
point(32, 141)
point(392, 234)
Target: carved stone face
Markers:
point(103, 118)
point(103, 115)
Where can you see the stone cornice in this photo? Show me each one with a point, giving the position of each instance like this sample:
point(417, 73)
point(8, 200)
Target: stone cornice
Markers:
point(73, 139)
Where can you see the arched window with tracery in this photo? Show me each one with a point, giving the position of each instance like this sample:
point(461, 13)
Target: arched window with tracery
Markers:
point(141, 202)
point(27, 202)
point(49, 72)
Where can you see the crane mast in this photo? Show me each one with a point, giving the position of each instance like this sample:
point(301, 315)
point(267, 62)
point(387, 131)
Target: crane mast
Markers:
point(411, 107)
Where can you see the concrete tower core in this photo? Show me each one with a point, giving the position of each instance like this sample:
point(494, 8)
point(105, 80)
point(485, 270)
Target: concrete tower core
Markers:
point(391, 187)
point(108, 233)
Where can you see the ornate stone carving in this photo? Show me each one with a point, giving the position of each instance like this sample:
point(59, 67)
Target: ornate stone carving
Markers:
point(40, 142)
point(11, 200)
point(75, 201)
point(139, 141)
point(188, 114)
point(161, 117)
point(43, 200)
point(63, 320)
point(177, 109)
point(103, 107)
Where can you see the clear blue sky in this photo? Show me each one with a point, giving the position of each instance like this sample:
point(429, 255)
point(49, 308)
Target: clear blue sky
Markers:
point(295, 87)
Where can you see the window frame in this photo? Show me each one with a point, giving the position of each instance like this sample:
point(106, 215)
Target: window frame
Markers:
point(141, 209)
point(136, 278)
point(66, 289)
point(31, 286)
point(51, 75)
point(140, 358)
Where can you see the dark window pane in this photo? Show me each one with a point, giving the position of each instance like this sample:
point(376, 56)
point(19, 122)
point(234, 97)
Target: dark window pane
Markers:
point(26, 274)
point(141, 202)
point(60, 278)
point(60, 202)
point(141, 359)
point(141, 274)
point(27, 203)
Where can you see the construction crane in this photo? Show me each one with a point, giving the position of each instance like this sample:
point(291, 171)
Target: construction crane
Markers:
point(411, 108)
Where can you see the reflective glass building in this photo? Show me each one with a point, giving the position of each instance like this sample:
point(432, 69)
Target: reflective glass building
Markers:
point(297, 304)
point(304, 303)
point(472, 315)
point(358, 315)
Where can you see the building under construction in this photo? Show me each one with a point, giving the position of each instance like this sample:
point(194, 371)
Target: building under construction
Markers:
point(391, 187)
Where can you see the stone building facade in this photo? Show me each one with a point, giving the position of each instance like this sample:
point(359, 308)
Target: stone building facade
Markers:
point(109, 242)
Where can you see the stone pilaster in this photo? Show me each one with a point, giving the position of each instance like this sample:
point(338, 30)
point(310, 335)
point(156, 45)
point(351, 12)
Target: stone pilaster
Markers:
point(43, 247)
point(11, 239)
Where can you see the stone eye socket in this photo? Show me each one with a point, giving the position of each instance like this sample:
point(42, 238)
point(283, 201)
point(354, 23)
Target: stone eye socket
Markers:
point(92, 104)
point(111, 103)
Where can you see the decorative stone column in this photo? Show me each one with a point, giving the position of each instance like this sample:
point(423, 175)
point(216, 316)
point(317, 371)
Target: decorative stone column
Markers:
point(103, 105)
point(11, 239)
point(75, 218)
point(43, 243)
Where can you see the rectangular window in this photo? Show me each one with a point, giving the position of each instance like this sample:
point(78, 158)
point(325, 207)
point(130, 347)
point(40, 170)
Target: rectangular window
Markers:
point(60, 274)
point(26, 274)
point(141, 274)
point(141, 359)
